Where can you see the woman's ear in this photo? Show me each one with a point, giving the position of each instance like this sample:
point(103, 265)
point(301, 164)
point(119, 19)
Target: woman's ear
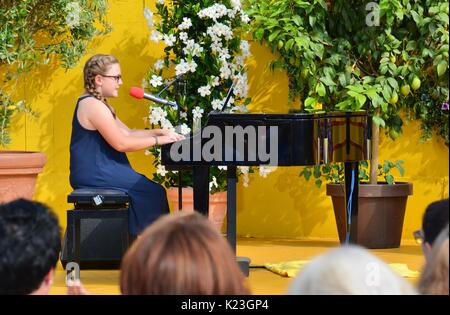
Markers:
point(98, 80)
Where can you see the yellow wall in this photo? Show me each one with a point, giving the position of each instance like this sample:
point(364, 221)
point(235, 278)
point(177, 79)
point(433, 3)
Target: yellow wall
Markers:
point(281, 205)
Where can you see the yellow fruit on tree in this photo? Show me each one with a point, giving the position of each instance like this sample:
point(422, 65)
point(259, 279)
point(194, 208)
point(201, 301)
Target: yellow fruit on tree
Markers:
point(406, 89)
point(394, 98)
point(280, 44)
point(415, 84)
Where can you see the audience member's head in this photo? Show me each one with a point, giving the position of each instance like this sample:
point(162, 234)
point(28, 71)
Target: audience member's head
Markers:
point(181, 253)
point(348, 270)
point(434, 221)
point(434, 278)
point(30, 243)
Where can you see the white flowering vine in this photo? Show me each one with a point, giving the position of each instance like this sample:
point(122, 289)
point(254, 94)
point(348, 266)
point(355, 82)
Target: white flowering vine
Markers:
point(204, 45)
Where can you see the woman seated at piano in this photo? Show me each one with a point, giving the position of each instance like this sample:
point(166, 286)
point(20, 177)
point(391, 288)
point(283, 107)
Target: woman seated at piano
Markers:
point(100, 140)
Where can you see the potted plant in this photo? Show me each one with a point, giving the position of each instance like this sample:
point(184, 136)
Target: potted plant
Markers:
point(203, 44)
point(388, 58)
point(35, 33)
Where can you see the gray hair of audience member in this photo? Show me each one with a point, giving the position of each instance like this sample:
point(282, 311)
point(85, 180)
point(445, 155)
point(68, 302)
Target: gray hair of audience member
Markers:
point(434, 279)
point(349, 270)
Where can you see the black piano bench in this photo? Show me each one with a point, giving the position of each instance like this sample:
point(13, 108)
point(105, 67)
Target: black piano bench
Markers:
point(97, 234)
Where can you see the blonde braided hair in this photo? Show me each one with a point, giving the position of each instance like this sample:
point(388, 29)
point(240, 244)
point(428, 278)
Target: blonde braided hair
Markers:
point(98, 65)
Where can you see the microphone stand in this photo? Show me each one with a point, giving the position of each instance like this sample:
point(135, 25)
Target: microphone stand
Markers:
point(177, 82)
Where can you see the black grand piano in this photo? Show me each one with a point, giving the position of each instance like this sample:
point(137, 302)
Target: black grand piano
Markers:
point(294, 139)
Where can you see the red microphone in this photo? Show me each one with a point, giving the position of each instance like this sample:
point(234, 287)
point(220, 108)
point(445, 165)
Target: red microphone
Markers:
point(140, 94)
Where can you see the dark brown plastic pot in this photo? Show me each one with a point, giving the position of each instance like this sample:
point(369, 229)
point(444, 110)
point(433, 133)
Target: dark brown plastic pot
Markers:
point(381, 210)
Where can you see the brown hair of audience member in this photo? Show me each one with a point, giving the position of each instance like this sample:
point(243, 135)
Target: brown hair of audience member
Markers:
point(435, 276)
point(181, 253)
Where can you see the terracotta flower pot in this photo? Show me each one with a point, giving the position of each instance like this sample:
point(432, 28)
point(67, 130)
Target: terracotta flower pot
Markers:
point(217, 204)
point(18, 173)
point(381, 210)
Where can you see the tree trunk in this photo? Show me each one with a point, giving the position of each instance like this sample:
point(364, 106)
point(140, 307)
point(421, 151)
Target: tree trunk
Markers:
point(373, 177)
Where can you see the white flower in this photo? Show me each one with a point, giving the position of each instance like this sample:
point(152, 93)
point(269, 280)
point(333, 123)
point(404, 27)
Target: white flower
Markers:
point(244, 169)
point(241, 86)
point(245, 48)
point(182, 67)
point(216, 46)
point(185, 129)
point(217, 104)
point(204, 90)
point(149, 17)
point(160, 1)
point(161, 170)
point(166, 124)
point(170, 39)
point(192, 48)
point(156, 81)
point(222, 168)
point(183, 115)
point(192, 66)
point(72, 20)
point(215, 81)
point(183, 36)
point(265, 170)
point(213, 183)
point(245, 179)
point(156, 36)
point(157, 114)
point(225, 71)
point(220, 30)
point(245, 18)
point(187, 23)
point(213, 12)
point(236, 4)
point(159, 64)
point(197, 112)
point(239, 109)
point(230, 101)
point(231, 13)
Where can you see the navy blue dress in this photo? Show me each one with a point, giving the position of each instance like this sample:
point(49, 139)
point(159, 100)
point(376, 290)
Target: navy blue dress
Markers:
point(95, 164)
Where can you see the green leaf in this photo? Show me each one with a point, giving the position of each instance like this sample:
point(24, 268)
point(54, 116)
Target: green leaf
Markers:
point(259, 34)
point(442, 67)
point(393, 83)
point(318, 183)
point(310, 102)
point(274, 35)
point(320, 89)
point(378, 121)
point(389, 179)
point(317, 172)
point(359, 97)
point(399, 165)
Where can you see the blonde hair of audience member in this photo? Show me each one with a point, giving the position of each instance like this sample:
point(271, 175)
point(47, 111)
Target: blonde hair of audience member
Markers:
point(349, 270)
point(435, 275)
point(181, 253)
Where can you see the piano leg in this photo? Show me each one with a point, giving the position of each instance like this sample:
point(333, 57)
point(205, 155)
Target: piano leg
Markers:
point(243, 262)
point(231, 206)
point(351, 201)
point(200, 178)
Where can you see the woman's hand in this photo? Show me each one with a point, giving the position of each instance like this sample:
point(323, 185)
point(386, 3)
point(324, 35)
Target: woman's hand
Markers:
point(163, 132)
point(169, 137)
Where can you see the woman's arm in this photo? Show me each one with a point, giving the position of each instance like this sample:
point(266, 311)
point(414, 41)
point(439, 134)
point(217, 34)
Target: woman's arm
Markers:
point(101, 119)
point(142, 132)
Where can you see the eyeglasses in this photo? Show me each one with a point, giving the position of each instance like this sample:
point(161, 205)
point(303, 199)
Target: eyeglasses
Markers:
point(116, 77)
point(419, 236)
